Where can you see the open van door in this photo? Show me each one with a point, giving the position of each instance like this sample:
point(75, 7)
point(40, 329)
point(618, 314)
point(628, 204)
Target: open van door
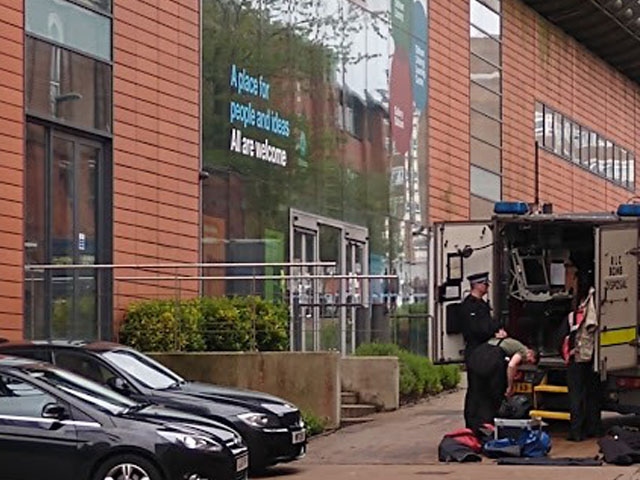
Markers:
point(616, 296)
point(459, 250)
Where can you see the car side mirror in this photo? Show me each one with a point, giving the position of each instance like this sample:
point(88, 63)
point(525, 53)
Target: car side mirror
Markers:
point(55, 411)
point(119, 385)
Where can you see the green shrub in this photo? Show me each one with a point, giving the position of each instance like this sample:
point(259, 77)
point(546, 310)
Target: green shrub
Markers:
point(163, 326)
point(449, 376)
point(378, 350)
point(315, 424)
point(272, 325)
point(213, 324)
point(226, 328)
point(418, 376)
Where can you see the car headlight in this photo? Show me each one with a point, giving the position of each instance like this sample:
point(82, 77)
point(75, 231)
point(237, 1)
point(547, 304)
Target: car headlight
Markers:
point(260, 420)
point(192, 442)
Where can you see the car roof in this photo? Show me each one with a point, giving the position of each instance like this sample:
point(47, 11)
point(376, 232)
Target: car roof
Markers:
point(9, 361)
point(97, 347)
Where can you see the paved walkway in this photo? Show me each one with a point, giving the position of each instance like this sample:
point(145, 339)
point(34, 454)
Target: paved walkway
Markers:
point(403, 445)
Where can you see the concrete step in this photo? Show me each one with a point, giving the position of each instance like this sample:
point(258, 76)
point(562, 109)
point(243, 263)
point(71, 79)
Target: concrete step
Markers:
point(357, 411)
point(345, 422)
point(349, 398)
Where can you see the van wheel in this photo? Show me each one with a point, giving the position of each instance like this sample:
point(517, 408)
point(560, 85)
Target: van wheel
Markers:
point(127, 467)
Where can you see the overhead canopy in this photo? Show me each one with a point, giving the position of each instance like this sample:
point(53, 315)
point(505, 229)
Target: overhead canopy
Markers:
point(609, 28)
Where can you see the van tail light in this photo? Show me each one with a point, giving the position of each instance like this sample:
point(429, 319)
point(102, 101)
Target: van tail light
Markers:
point(628, 383)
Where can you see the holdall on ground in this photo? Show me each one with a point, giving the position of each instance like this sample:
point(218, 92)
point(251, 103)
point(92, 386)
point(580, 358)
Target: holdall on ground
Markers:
point(530, 443)
point(534, 443)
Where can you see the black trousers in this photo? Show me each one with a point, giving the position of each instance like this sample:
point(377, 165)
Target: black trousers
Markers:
point(484, 396)
point(584, 400)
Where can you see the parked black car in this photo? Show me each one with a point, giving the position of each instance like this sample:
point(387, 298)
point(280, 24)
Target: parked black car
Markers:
point(272, 428)
point(57, 425)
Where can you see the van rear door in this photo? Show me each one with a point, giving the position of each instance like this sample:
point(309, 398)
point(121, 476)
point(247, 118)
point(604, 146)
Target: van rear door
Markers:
point(616, 296)
point(459, 250)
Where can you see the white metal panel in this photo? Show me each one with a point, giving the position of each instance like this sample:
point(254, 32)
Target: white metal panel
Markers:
point(451, 238)
point(617, 296)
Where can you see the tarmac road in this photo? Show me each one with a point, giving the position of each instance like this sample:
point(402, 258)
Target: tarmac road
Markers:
point(404, 444)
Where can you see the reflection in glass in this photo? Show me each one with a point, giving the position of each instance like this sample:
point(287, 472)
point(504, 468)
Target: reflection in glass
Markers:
point(485, 18)
point(548, 127)
point(67, 86)
point(69, 24)
point(351, 80)
point(35, 239)
point(485, 74)
point(485, 184)
point(485, 101)
point(485, 46)
point(485, 155)
point(485, 128)
point(539, 123)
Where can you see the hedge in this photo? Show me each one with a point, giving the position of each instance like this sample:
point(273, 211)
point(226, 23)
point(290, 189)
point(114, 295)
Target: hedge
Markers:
point(418, 376)
point(206, 324)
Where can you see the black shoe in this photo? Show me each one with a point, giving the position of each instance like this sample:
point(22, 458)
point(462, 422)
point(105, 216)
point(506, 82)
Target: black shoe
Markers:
point(575, 438)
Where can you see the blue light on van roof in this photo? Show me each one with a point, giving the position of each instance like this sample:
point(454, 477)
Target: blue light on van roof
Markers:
point(629, 210)
point(513, 208)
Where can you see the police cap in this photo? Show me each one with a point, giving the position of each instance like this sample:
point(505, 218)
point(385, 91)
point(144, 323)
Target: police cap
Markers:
point(482, 277)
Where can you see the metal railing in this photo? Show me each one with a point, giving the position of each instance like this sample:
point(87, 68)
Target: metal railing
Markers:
point(327, 311)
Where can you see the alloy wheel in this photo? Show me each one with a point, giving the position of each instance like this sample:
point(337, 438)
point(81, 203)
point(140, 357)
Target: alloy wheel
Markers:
point(126, 471)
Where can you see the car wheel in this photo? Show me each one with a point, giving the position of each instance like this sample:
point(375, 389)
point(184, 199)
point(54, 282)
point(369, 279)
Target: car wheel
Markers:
point(127, 467)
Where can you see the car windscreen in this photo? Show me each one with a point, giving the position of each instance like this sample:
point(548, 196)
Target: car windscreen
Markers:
point(85, 390)
point(145, 370)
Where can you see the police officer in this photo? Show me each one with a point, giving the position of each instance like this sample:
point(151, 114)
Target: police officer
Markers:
point(478, 326)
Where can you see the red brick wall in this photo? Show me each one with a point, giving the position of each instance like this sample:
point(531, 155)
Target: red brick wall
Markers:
point(542, 63)
point(156, 138)
point(448, 172)
point(11, 168)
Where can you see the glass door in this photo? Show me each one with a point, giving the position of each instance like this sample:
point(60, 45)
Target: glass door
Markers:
point(73, 291)
point(328, 306)
point(304, 289)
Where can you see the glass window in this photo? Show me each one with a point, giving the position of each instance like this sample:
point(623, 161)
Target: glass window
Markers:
point(485, 184)
point(584, 148)
point(485, 101)
point(593, 151)
point(485, 128)
point(609, 159)
point(69, 24)
point(539, 123)
point(143, 369)
point(576, 135)
point(22, 399)
point(83, 365)
point(631, 172)
point(617, 174)
point(623, 167)
point(548, 127)
point(485, 18)
point(567, 138)
point(484, 46)
point(602, 155)
point(558, 130)
point(495, 4)
point(485, 155)
point(72, 87)
point(90, 392)
point(104, 5)
point(485, 74)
